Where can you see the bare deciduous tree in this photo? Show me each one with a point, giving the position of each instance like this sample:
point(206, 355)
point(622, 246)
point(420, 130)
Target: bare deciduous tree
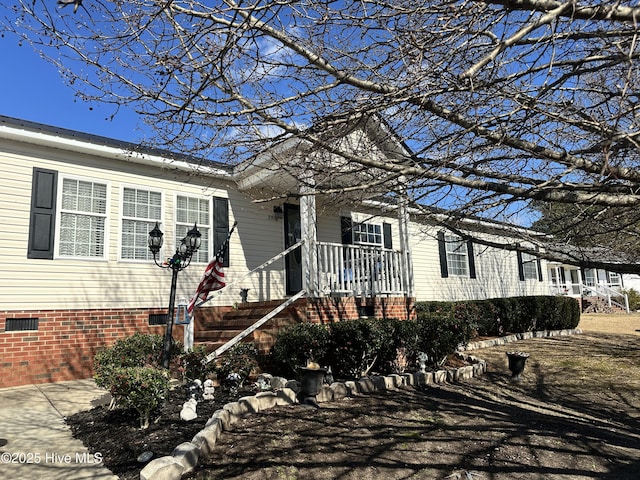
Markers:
point(499, 102)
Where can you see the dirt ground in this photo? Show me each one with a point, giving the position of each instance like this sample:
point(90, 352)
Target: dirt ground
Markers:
point(575, 414)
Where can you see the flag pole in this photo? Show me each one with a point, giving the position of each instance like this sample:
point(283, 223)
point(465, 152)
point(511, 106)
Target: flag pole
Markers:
point(189, 328)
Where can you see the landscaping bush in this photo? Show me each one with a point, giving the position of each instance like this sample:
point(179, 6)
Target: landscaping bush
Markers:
point(398, 347)
point(355, 345)
point(440, 334)
point(634, 299)
point(141, 388)
point(297, 343)
point(193, 365)
point(130, 371)
point(499, 316)
point(236, 364)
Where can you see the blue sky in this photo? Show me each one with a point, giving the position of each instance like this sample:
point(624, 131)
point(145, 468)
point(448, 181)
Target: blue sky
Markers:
point(33, 90)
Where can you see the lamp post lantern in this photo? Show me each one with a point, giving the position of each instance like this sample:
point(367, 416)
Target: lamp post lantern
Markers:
point(180, 260)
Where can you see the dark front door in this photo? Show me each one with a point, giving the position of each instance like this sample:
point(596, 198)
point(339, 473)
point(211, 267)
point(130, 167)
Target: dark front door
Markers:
point(293, 261)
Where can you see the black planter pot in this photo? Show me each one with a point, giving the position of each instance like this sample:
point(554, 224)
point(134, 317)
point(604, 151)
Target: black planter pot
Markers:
point(311, 380)
point(517, 361)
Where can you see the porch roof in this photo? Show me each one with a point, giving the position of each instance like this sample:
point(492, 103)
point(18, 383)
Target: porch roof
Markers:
point(320, 159)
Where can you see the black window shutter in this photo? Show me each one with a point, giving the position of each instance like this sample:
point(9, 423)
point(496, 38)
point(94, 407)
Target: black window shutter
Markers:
point(221, 227)
point(386, 235)
point(472, 260)
point(539, 263)
point(442, 248)
point(42, 221)
point(520, 267)
point(346, 229)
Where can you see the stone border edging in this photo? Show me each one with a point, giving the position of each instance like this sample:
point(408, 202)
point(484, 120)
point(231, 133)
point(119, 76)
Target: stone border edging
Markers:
point(495, 342)
point(185, 456)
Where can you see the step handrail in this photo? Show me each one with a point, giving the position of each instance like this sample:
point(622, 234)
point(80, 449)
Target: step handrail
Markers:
point(219, 292)
point(607, 294)
point(249, 330)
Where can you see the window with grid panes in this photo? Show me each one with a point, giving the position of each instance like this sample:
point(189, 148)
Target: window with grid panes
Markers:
point(83, 213)
point(367, 234)
point(140, 211)
point(190, 211)
point(457, 261)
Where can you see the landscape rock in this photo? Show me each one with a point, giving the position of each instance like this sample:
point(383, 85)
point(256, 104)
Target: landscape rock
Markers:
point(163, 468)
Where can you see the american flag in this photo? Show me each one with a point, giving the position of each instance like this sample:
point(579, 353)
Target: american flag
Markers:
point(213, 279)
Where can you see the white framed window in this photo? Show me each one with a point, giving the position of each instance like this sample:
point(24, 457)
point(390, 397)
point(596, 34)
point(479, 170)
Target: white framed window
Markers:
point(141, 209)
point(615, 280)
point(529, 266)
point(367, 234)
point(190, 211)
point(457, 257)
point(83, 218)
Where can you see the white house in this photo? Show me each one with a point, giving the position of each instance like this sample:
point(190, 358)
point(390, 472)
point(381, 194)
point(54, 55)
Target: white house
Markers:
point(76, 271)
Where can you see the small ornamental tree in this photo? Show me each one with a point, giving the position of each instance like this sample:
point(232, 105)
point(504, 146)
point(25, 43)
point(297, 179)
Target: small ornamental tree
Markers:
point(140, 388)
point(130, 370)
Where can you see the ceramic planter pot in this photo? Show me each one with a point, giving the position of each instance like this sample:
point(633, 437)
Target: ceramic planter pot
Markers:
point(311, 380)
point(517, 361)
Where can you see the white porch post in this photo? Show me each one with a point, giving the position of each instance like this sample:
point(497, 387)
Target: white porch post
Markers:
point(405, 245)
point(310, 247)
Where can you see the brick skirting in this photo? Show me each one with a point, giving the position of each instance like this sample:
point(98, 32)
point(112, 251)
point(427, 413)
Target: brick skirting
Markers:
point(65, 342)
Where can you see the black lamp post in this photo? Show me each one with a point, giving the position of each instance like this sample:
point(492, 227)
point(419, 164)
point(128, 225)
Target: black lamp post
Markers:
point(180, 260)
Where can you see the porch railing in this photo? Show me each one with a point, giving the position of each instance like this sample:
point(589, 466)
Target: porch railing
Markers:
point(359, 270)
point(612, 296)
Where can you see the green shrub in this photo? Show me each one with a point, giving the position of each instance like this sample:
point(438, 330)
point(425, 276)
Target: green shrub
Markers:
point(355, 345)
point(440, 334)
point(193, 364)
point(138, 350)
point(296, 344)
point(240, 359)
point(634, 299)
point(398, 347)
point(130, 371)
point(141, 388)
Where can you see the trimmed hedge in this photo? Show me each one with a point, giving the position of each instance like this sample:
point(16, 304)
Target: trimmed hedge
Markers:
point(356, 347)
point(500, 316)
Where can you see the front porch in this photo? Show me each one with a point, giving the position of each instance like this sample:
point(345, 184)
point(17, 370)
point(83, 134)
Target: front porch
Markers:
point(594, 288)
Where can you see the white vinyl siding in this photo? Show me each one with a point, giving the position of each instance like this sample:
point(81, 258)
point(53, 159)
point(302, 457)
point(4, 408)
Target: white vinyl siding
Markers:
point(83, 210)
point(190, 211)
point(141, 209)
point(457, 261)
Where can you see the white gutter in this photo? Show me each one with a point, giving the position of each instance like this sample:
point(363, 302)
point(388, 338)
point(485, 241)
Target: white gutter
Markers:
point(86, 147)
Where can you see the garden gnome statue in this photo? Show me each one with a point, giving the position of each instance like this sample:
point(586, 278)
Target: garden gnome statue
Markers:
point(208, 390)
point(188, 411)
point(422, 361)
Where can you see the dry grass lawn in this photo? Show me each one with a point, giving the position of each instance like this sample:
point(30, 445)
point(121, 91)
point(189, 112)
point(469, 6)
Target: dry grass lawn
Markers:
point(611, 323)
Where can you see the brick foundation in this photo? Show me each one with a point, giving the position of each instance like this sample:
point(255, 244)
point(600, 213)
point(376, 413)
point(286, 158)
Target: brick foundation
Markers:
point(333, 309)
point(66, 341)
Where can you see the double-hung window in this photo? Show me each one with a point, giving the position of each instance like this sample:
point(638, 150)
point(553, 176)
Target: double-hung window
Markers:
point(83, 215)
point(529, 267)
point(141, 209)
point(367, 234)
point(456, 256)
point(190, 211)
